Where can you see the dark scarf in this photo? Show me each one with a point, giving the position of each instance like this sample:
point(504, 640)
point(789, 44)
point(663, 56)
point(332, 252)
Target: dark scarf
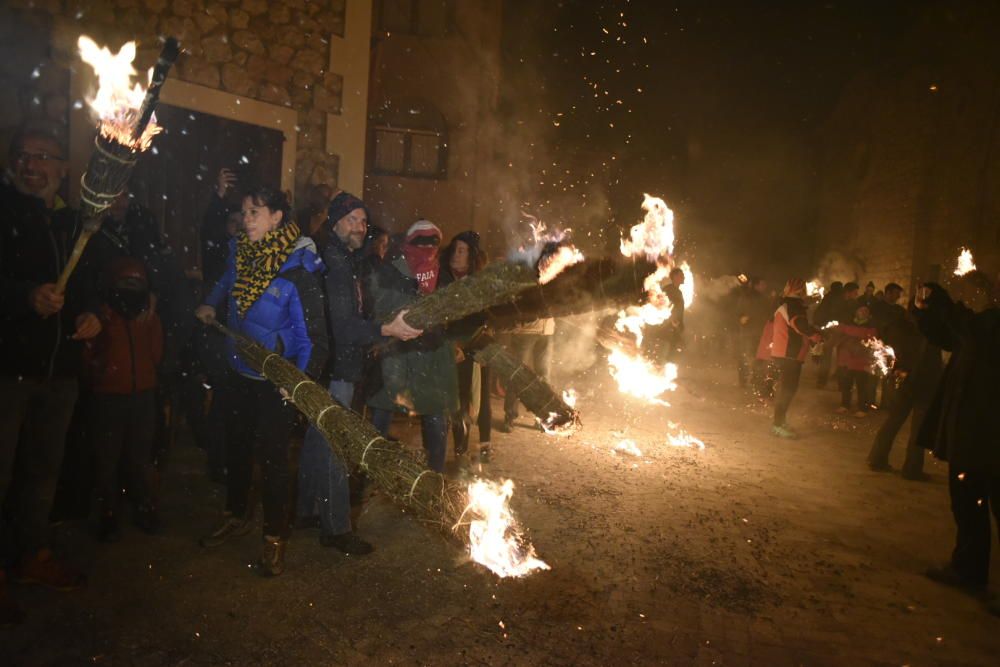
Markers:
point(258, 263)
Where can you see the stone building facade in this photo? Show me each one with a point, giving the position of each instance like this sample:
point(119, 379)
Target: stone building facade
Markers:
point(911, 168)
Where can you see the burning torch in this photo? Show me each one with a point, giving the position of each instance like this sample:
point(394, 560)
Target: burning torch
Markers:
point(125, 131)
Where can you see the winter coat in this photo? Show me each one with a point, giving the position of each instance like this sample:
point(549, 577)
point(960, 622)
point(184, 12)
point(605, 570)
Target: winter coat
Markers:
point(420, 375)
point(34, 246)
point(289, 316)
point(917, 357)
point(962, 425)
point(791, 329)
point(124, 357)
point(351, 333)
point(766, 341)
point(851, 351)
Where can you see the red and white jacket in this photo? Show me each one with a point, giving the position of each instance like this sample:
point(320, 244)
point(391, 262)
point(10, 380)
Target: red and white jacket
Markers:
point(792, 330)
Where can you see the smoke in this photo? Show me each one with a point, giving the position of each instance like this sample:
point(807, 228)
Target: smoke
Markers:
point(835, 266)
point(577, 350)
point(715, 289)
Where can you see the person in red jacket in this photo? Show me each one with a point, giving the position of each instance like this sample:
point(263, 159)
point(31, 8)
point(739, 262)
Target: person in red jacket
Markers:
point(121, 366)
point(790, 340)
point(854, 362)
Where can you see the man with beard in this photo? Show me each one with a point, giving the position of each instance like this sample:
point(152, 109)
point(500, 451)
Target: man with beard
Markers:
point(323, 480)
point(40, 333)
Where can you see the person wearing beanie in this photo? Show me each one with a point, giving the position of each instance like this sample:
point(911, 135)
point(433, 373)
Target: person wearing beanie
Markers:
point(791, 336)
point(418, 376)
point(324, 491)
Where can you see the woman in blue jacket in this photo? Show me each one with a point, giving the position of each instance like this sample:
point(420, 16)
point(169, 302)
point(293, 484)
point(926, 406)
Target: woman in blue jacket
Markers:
point(271, 288)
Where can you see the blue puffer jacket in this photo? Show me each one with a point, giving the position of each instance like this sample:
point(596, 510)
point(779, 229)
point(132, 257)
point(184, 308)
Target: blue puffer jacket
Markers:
point(289, 316)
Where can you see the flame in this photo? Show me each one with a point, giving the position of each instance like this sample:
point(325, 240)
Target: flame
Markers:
point(118, 100)
point(495, 539)
point(687, 289)
point(640, 378)
point(885, 356)
point(683, 439)
point(654, 236)
point(554, 264)
point(965, 263)
point(570, 397)
point(550, 251)
point(829, 325)
point(814, 288)
point(628, 447)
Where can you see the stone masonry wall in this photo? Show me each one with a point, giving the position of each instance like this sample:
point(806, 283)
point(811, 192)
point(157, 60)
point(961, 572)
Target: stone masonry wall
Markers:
point(276, 51)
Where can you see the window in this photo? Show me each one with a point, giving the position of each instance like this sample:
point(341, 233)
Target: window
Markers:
point(425, 18)
point(409, 152)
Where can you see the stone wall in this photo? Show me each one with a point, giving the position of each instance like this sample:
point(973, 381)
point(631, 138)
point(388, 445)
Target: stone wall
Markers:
point(276, 51)
point(911, 167)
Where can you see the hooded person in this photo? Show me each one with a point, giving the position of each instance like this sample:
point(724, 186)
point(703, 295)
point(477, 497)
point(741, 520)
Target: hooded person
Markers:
point(790, 339)
point(418, 376)
point(323, 490)
point(121, 366)
point(962, 425)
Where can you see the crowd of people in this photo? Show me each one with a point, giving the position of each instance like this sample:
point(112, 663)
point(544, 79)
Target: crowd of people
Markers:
point(94, 375)
point(941, 376)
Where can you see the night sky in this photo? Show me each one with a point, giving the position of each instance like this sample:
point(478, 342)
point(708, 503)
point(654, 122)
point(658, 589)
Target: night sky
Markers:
point(716, 106)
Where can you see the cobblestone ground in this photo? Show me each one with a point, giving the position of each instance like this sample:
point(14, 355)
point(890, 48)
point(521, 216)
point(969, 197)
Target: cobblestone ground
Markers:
point(751, 551)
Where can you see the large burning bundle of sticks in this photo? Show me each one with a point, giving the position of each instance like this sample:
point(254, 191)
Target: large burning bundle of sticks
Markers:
point(127, 128)
point(477, 516)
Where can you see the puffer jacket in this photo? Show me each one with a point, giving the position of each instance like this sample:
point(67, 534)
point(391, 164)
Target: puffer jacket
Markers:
point(124, 358)
point(289, 316)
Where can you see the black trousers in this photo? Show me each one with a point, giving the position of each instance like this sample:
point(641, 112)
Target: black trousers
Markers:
point(901, 406)
point(485, 421)
point(972, 497)
point(789, 373)
point(865, 383)
point(123, 426)
point(259, 426)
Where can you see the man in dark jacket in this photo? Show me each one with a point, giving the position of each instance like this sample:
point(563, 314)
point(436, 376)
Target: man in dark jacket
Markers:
point(962, 426)
point(323, 484)
point(40, 334)
point(826, 312)
point(917, 371)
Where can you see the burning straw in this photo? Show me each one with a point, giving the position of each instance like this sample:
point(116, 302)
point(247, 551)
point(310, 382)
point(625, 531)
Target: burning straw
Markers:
point(127, 128)
point(494, 538)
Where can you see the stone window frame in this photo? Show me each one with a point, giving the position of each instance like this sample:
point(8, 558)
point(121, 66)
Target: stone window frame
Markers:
point(414, 28)
point(408, 134)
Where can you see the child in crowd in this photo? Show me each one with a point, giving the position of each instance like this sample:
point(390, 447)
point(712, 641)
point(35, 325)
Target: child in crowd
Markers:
point(121, 367)
point(854, 362)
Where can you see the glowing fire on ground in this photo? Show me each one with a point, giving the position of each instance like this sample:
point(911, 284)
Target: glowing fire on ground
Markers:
point(884, 356)
point(965, 263)
point(640, 378)
point(681, 438)
point(814, 288)
point(570, 397)
point(118, 100)
point(628, 447)
point(495, 539)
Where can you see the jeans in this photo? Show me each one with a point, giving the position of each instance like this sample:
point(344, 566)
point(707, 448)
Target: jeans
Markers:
point(258, 428)
point(323, 477)
point(433, 430)
point(34, 416)
point(535, 352)
point(789, 374)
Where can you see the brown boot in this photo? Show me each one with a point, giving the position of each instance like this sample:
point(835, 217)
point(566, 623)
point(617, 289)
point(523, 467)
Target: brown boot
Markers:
point(10, 612)
point(272, 557)
point(45, 569)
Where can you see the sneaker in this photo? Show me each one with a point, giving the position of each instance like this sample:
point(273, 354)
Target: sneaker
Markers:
point(485, 452)
point(107, 529)
point(949, 576)
point(230, 526)
point(507, 426)
point(841, 410)
point(147, 519)
point(10, 612)
point(45, 569)
point(348, 543)
point(783, 432)
point(272, 557)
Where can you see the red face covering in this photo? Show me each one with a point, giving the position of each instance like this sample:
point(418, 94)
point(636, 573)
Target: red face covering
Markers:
point(423, 261)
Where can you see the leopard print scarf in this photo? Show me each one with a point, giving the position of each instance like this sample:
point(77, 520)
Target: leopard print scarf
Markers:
point(258, 263)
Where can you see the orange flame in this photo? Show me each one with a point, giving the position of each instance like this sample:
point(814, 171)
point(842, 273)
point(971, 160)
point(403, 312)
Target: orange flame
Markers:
point(885, 356)
point(118, 99)
point(495, 539)
point(682, 438)
point(640, 378)
point(965, 263)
